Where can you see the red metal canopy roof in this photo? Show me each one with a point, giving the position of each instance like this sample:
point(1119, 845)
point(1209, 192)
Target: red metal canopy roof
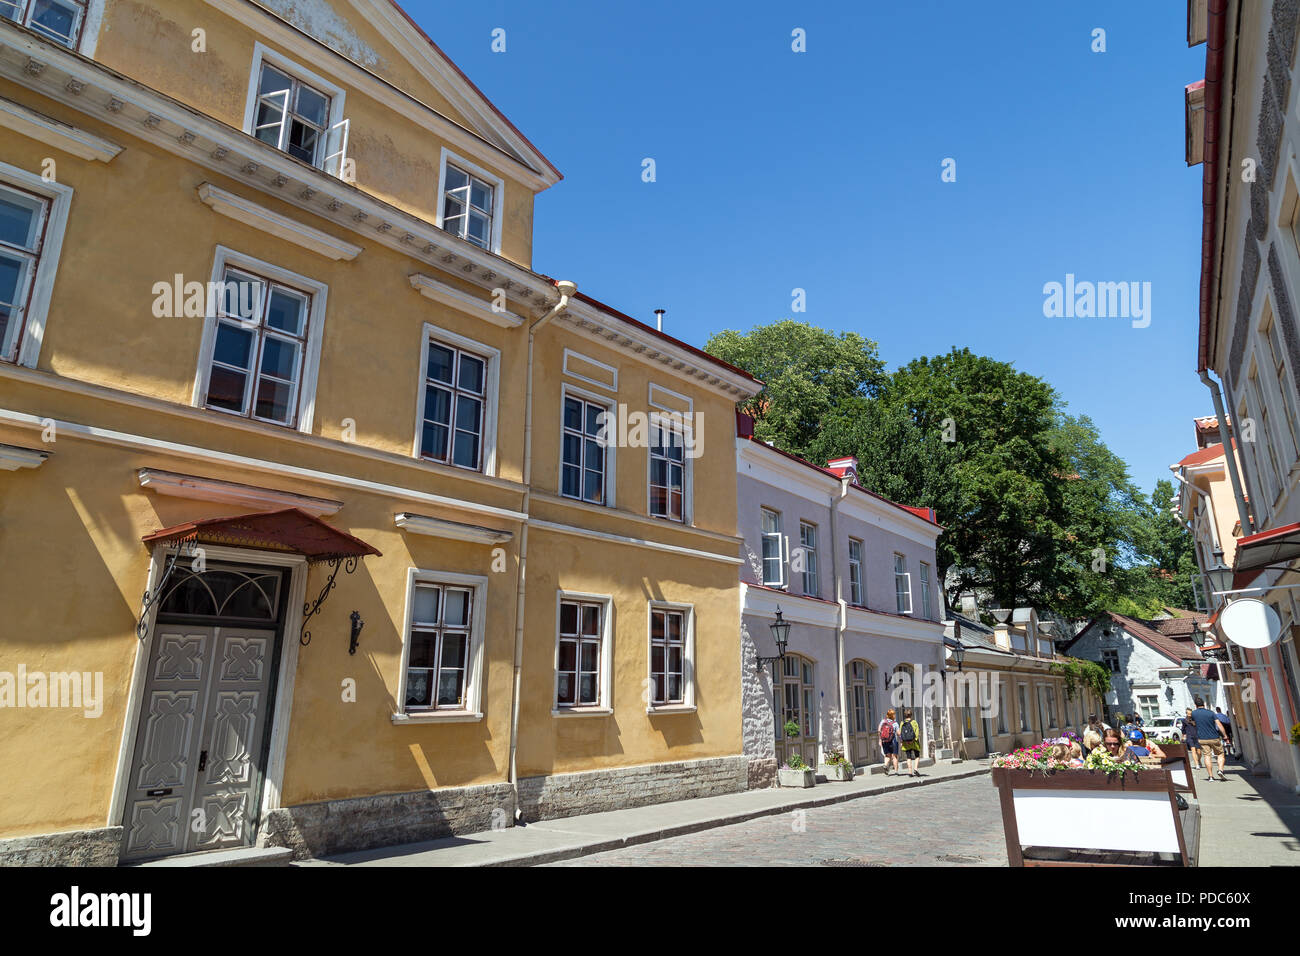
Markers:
point(1267, 547)
point(290, 529)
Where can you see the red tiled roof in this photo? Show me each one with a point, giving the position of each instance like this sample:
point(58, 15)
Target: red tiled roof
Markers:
point(1174, 648)
point(1183, 625)
point(1206, 454)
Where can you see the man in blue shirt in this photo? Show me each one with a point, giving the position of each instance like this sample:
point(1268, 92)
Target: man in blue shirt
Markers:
point(1210, 734)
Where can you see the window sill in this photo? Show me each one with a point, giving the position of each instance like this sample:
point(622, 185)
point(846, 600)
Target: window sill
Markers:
point(671, 709)
point(582, 712)
point(437, 717)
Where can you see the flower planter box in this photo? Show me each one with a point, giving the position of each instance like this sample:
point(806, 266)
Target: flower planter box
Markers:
point(796, 778)
point(836, 771)
point(1090, 818)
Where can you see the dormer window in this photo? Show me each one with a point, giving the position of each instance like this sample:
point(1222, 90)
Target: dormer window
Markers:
point(57, 20)
point(291, 115)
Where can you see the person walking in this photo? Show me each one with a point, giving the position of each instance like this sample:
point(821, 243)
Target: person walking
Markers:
point(909, 738)
point(1209, 734)
point(888, 731)
point(1189, 738)
point(1227, 731)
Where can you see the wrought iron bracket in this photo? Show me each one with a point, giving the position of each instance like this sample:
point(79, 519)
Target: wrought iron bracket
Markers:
point(150, 598)
point(770, 660)
point(312, 608)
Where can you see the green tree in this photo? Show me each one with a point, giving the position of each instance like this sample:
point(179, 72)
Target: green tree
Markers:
point(808, 374)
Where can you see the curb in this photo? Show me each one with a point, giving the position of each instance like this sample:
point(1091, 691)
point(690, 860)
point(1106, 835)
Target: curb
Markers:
point(540, 857)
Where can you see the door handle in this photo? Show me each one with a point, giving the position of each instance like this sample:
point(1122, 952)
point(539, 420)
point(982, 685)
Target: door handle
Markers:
point(203, 759)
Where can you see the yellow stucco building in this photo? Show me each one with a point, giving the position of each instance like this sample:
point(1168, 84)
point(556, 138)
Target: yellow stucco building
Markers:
point(309, 534)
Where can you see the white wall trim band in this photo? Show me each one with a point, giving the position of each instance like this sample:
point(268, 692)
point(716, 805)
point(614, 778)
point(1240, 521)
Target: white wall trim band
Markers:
point(637, 542)
point(259, 217)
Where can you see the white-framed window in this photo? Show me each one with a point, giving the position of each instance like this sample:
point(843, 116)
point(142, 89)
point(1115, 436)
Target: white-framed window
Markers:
point(856, 595)
point(57, 20)
point(470, 201)
point(902, 585)
point(860, 682)
point(1273, 355)
point(456, 412)
point(582, 652)
point(260, 353)
point(584, 452)
point(925, 590)
point(1257, 479)
point(773, 549)
point(1148, 707)
point(442, 656)
point(296, 111)
point(672, 640)
point(1110, 658)
point(1266, 435)
point(808, 541)
point(668, 478)
point(33, 218)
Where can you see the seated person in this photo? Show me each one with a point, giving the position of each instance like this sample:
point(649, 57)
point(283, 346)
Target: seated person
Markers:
point(1143, 747)
point(1113, 743)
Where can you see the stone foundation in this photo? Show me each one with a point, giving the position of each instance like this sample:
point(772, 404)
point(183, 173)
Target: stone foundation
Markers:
point(362, 823)
point(594, 791)
point(762, 773)
point(71, 848)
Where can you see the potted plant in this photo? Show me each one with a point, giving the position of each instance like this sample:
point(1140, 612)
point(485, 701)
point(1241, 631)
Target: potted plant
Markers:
point(796, 773)
point(1295, 735)
point(836, 766)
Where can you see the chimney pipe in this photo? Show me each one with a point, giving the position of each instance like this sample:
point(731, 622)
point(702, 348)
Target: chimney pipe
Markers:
point(659, 319)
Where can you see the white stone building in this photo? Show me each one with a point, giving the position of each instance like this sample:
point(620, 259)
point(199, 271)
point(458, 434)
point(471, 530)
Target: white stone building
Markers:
point(855, 575)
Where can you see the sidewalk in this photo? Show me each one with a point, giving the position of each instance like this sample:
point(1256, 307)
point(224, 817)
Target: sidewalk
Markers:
point(1247, 821)
point(564, 839)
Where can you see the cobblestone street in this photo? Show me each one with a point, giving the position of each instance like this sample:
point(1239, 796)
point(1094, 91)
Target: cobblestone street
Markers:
point(953, 823)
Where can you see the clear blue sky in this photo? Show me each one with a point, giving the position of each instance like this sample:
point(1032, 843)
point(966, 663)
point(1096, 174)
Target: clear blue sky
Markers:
point(821, 170)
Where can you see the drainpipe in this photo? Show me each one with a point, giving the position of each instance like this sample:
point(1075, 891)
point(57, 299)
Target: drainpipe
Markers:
point(566, 290)
point(845, 738)
point(1229, 456)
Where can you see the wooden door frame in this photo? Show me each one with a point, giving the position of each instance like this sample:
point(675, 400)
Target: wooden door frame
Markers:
point(296, 588)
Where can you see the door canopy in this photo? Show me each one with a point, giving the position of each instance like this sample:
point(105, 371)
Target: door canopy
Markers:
point(289, 530)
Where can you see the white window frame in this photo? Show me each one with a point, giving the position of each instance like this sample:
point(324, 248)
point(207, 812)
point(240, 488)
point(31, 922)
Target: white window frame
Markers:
point(84, 20)
point(491, 395)
point(906, 576)
point(810, 570)
point(688, 490)
point(782, 547)
point(498, 194)
point(474, 665)
point(1267, 430)
point(688, 658)
point(857, 595)
point(925, 590)
point(319, 292)
point(58, 198)
point(605, 680)
point(264, 54)
point(611, 447)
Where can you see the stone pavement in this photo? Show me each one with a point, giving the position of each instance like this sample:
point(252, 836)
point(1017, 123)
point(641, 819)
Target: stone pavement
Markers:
point(1248, 821)
point(957, 823)
point(569, 837)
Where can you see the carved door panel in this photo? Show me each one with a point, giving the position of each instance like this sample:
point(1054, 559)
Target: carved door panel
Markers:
point(199, 743)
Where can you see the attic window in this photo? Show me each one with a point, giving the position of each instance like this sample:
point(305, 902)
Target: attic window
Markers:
point(470, 201)
point(57, 20)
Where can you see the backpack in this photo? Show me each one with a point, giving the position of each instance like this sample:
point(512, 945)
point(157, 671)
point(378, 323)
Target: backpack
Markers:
point(886, 732)
point(908, 733)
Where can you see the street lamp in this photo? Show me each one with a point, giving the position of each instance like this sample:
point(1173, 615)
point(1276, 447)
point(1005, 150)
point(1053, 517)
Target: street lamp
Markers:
point(958, 653)
point(1219, 575)
point(781, 634)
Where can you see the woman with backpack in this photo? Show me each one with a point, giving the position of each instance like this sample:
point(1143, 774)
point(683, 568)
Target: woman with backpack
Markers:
point(909, 738)
point(888, 731)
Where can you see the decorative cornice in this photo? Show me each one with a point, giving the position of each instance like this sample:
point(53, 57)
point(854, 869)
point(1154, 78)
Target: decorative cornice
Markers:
point(454, 530)
point(259, 217)
point(431, 288)
point(70, 139)
point(13, 457)
point(232, 492)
